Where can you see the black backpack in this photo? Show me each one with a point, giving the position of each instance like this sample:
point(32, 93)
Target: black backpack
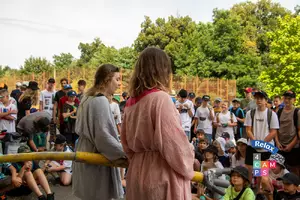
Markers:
point(279, 112)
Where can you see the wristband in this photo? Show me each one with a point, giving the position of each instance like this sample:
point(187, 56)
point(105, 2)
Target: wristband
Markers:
point(202, 197)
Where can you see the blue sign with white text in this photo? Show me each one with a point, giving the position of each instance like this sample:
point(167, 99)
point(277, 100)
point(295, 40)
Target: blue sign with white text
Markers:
point(259, 144)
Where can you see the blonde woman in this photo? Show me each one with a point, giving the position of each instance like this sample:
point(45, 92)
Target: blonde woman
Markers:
point(28, 99)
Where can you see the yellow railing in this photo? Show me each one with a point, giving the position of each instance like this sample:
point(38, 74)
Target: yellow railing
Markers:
point(85, 157)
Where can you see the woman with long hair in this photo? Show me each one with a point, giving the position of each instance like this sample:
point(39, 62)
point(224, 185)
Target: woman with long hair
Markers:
point(160, 155)
point(98, 133)
point(28, 99)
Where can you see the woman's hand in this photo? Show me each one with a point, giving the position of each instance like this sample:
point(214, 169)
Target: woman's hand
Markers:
point(121, 162)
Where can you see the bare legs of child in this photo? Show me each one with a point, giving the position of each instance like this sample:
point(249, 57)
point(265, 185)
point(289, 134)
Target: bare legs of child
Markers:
point(65, 177)
point(32, 178)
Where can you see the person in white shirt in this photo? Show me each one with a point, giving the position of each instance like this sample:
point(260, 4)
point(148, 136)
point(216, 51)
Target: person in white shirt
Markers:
point(203, 118)
point(8, 113)
point(261, 124)
point(115, 108)
point(63, 167)
point(225, 121)
point(47, 96)
point(238, 159)
point(11, 99)
point(186, 110)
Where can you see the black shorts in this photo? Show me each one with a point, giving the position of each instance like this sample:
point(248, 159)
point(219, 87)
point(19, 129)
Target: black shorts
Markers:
point(249, 155)
point(290, 157)
point(5, 182)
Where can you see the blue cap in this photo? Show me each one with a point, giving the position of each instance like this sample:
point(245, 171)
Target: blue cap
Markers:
point(71, 93)
point(67, 87)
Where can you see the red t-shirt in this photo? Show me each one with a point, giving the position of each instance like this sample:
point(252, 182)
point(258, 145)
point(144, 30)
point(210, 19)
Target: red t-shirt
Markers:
point(61, 103)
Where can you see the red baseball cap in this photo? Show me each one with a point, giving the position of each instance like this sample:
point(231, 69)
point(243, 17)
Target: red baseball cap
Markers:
point(248, 90)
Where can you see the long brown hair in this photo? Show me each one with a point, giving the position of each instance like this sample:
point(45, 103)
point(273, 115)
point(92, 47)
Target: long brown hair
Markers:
point(152, 70)
point(103, 76)
point(32, 94)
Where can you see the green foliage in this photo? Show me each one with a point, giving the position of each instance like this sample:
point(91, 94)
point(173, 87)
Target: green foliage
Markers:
point(64, 60)
point(238, 44)
point(4, 70)
point(36, 65)
point(284, 73)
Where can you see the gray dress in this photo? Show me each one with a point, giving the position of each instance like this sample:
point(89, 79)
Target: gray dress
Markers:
point(97, 132)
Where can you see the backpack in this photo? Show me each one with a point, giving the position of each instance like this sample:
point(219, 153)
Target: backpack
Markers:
point(238, 111)
point(295, 119)
point(231, 117)
point(252, 113)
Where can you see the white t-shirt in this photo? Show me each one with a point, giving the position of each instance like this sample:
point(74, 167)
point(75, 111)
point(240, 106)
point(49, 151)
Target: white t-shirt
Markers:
point(204, 123)
point(47, 98)
point(236, 163)
point(9, 125)
point(186, 120)
point(225, 119)
point(260, 127)
point(66, 163)
point(12, 101)
point(116, 112)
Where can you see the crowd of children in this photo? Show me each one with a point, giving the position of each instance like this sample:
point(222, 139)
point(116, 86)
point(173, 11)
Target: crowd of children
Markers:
point(222, 137)
point(220, 133)
point(52, 109)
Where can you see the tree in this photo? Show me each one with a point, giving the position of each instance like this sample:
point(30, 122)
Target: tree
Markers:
point(63, 60)
point(126, 57)
point(166, 35)
point(88, 50)
point(36, 65)
point(4, 70)
point(285, 58)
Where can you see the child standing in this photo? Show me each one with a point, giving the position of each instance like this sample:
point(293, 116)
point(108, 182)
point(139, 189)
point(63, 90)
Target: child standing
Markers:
point(225, 121)
point(69, 115)
point(8, 113)
point(239, 188)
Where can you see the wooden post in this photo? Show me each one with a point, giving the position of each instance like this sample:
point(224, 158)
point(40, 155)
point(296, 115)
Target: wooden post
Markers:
point(221, 89)
point(185, 82)
point(33, 76)
point(227, 90)
point(69, 76)
point(121, 78)
point(207, 89)
point(234, 87)
point(194, 86)
point(171, 82)
point(197, 86)
point(218, 87)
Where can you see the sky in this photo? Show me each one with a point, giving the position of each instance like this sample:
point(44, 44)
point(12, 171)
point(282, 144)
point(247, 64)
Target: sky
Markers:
point(47, 27)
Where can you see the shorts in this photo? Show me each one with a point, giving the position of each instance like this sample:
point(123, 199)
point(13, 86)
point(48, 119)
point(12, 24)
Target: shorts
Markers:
point(249, 155)
point(290, 157)
point(5, 182)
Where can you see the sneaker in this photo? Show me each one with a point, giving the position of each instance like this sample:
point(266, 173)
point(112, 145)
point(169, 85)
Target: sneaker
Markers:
point(42, 197)
point(50, 196)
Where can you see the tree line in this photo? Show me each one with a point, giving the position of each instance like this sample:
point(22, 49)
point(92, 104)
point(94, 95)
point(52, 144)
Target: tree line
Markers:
point(258, 44)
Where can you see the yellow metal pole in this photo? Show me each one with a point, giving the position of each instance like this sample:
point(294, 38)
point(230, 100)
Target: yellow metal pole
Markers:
point(84, 157)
